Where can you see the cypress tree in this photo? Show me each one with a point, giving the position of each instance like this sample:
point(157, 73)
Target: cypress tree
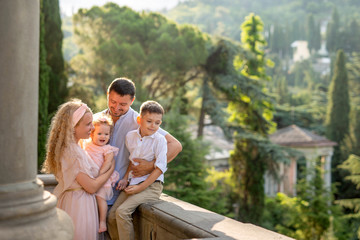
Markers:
point(277, 39)
point(352, 140)
point(54, 58)
point(332, 32)
point(43, 93)
point(311, 32)
point(337, 117)
point(354, 36)
point(351, 165)
point(317, 40)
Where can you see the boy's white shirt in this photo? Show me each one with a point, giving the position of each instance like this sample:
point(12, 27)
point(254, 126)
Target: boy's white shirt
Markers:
point(148, 148)
point(123, 125)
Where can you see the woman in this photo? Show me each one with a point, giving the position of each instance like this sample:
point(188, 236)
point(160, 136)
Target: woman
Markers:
point(75, 172)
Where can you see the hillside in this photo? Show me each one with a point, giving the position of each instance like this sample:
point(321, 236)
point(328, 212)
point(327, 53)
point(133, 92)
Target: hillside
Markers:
point(224, 17)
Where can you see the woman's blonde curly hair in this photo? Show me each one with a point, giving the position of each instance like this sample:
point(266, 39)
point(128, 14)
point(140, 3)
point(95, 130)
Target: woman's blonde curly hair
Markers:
point(61, 135)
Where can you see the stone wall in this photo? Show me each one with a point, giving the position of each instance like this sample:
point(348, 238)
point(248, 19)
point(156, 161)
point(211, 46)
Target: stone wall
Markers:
point(171, 218)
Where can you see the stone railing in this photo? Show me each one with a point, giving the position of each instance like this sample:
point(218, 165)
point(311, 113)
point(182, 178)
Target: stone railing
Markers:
point(170, 218)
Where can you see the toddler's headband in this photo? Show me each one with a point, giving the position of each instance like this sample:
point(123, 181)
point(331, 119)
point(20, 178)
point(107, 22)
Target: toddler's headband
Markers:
point(78, 114)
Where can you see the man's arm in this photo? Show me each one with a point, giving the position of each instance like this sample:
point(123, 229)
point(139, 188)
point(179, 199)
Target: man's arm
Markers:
point(174, 147)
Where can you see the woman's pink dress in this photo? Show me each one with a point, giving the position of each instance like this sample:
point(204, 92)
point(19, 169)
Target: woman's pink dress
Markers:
point(72, 198)
point(97, 154)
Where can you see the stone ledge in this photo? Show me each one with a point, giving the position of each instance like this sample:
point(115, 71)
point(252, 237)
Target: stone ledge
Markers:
point(171, 218)
point(187, 221)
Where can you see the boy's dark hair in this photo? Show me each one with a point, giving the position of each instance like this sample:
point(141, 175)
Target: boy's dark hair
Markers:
point(123, 86)
point(151, 107)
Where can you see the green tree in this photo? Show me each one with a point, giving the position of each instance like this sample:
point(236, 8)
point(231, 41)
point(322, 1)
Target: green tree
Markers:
point(352, 139)
point(332, 32)
point(253, 40)
point(338, 109)
point(43, 93)
point(278, 41)
point(350, 145)
point(352, 165)
point(353, 69)
point(187, 173)
point(159, 55)
point(282, 90)
point(53, 43)
point(298, 30)
point(218, 73)
point(252, 156)
point(353, 36)
point(303, 217)
point(250, 106)
point(312, 33)
point(251, 111)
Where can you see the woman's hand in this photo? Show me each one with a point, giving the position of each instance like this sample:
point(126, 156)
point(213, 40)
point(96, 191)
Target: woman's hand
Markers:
point(109, 159)
point(92, 185)
point(143, 168)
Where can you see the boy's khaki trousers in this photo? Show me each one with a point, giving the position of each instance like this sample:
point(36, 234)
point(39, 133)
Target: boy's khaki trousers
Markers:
point(119, 221)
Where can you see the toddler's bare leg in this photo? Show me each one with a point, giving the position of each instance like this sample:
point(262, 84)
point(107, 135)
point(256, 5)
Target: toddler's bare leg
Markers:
point(102, 206)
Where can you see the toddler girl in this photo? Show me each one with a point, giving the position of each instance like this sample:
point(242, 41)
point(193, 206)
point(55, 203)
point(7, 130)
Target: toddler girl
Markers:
point(98, 149)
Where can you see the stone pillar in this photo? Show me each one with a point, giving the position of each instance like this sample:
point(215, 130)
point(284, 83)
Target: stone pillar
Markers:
point(26, 210)
point(327, 172)
point(294, 176)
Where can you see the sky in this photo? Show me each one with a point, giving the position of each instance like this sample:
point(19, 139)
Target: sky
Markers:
point(71, 6)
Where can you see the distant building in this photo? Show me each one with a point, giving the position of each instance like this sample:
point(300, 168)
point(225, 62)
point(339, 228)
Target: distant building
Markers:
point(300, 51)
point(322, 65)
point(312, 146)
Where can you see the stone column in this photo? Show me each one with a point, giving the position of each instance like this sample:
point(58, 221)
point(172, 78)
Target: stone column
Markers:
point(26, 210)
point(327, 172)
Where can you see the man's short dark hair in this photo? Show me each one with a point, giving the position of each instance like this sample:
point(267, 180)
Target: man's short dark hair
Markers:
point(123, 86)
point(151, 107)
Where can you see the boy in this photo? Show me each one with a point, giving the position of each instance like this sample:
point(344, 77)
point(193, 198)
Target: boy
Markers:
point(148, 144)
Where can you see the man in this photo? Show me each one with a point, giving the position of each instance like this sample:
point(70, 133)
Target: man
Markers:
point(120, 96)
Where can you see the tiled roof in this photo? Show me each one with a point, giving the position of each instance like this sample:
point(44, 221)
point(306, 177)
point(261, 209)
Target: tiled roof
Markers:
point(295, 136)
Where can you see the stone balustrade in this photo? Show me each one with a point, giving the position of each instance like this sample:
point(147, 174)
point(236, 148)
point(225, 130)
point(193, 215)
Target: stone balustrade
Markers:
point(171, 218)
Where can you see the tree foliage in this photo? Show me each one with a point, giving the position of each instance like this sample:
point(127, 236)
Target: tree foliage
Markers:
point(332, 32)
point(313, 33)
point(218, 79)
point(352, 165)
point(43, 93)
point(159, 55)
point(337, 117)
point(353, 69)
point(250, 106)
point(251, 111)
point(187, 173)
point(306, 216)
point(251, 157)
point(53, 43)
